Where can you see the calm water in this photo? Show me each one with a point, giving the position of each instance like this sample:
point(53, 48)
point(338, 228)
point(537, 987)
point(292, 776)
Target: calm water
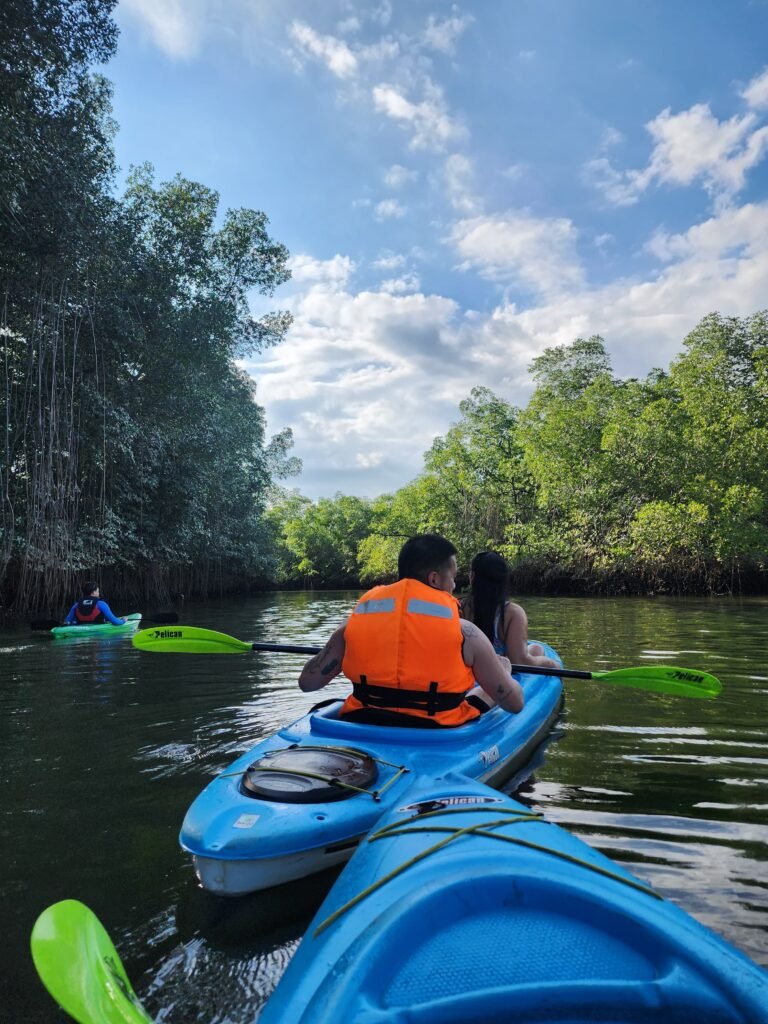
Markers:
point(103, 748)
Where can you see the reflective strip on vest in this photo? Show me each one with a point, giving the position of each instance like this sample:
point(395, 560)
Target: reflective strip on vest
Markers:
point(385, 604)
point(418, 607)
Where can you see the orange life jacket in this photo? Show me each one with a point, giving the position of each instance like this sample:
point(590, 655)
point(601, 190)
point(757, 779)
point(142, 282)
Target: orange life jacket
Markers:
point(402, 652)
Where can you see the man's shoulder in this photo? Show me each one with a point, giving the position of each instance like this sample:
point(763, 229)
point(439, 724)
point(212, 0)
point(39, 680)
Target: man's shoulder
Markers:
point(469, 630)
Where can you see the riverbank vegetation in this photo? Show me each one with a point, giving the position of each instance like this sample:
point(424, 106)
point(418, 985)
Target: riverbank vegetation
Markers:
point(134, 451)
point(133, 448)
point(599, 485)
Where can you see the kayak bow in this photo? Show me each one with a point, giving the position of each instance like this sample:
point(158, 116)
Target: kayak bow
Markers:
point(301, 800)
point(464, 907)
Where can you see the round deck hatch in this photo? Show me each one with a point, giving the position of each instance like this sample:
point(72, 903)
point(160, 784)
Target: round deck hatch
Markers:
point(279, 775)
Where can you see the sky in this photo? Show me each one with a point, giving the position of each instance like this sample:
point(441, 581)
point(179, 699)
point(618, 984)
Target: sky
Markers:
point(460, 186)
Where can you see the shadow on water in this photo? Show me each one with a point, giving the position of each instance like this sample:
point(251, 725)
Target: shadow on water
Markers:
point(230, 922)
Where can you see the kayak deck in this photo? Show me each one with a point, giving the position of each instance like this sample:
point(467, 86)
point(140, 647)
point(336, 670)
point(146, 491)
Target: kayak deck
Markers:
point(132, 623)
point(242, 843)
point(458, 912)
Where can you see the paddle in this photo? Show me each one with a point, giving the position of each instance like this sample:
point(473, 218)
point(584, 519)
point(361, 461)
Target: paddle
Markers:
point(79, 966)
point(681, 682)
point(160, 619)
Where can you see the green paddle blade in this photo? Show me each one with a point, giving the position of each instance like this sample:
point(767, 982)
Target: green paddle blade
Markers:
point(681, 682)
point(188, 640)
point(80, 967)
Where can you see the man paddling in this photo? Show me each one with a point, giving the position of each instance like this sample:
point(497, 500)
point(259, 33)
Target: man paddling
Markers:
point(410, 657)
point(91, 610)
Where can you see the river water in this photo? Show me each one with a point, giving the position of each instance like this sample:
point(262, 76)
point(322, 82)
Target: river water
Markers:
point(103, 748)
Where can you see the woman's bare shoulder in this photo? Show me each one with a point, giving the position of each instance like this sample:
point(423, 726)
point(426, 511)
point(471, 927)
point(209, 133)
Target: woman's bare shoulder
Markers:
point(513, 613)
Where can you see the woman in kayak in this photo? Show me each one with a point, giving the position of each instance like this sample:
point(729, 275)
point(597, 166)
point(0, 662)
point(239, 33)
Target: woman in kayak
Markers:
point(503, 622)
point(91, 610)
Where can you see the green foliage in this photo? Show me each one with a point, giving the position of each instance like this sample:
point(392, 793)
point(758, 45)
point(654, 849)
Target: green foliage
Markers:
point(134, 447)
point(600, 483)
point(318, 543)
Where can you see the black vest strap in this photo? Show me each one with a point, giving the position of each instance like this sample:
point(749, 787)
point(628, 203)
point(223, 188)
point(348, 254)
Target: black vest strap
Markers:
point(430, 700)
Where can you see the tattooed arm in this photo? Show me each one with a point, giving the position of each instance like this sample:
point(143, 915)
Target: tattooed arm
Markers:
point(490, 673)
point(326, 665)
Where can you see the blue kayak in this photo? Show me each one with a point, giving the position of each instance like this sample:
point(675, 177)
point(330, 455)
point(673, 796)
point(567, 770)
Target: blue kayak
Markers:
point(301, 800)
point(465, 907)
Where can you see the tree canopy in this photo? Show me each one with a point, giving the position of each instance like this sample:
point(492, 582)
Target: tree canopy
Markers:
point(133, 446)
point(599, 484)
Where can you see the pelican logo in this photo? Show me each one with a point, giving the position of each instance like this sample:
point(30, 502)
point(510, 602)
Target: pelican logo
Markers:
point(441, 802)
point(686, 677)
point(167, 634)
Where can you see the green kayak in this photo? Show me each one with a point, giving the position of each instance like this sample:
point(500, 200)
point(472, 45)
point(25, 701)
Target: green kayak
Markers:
point(132, 623)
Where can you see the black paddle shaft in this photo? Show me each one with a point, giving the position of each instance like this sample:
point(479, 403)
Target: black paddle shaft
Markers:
point(286, 649)
point(534, 670)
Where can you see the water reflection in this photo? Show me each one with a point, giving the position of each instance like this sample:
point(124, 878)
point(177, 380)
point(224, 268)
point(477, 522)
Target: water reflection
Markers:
point(103, 749)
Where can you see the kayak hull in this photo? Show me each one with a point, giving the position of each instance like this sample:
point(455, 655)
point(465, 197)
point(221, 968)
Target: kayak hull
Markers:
point(132, 623)
point(487, 929)
point(240, 843)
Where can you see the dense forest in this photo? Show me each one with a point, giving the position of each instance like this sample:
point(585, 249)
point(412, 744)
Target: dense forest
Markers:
point(599, 485)
point(134, 449)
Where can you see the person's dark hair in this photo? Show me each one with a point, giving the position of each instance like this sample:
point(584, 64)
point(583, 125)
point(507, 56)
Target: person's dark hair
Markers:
point(88, 588)
point(422, 554)
point(489, 589)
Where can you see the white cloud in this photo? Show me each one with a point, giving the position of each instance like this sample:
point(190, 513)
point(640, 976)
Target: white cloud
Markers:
point(720, 264)
point(539, 253)
point(383, 13)
point(397, 176)
point(458, 172)
point(389, 261)
point(350, 24)
point(307, 270)
point(175, 26)
point(442, 35)
point(515, 171)
point(332, 52)
point(430, 125)
point(401, 285)
point(611, 137)
point(736, 233)
point(368, 460)
point(756, 93)
point(526, 54)
point(350, 380)
point(388, 209)
point(690, 146)
point(602, 241)
point(619, 188)
point(352, 376)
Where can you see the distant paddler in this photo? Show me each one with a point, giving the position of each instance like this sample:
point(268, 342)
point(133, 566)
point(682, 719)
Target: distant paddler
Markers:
point(91, 609)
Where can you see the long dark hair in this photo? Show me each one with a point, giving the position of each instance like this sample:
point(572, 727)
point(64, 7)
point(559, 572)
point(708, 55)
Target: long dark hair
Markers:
point(489, 590)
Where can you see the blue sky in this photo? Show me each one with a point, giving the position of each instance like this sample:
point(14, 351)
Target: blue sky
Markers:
point(460, 187)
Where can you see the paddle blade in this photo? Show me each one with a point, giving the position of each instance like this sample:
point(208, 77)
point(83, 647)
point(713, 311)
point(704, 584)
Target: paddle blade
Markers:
point(680, 682)
point(188, 640)
point(79, 966)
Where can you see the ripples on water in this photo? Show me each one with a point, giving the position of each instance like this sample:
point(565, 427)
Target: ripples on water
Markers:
point(104, 748)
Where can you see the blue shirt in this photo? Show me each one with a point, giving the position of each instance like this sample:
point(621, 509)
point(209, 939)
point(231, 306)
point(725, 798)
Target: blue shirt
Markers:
point(103, 607)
